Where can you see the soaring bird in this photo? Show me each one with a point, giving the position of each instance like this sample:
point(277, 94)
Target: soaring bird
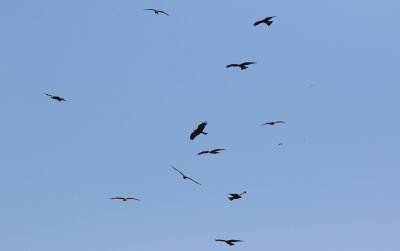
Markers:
point(242, 65)
point(158, 11)
point(199, 130)
point(229, 242)
point(273, 123)
point(215, 151)
point(55, 97)
point(123, 198)
point(266, 21)
point(184, 176)
point(235, 196)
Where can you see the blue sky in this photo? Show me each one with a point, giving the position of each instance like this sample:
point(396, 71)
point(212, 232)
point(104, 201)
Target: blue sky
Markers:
point(137, 84)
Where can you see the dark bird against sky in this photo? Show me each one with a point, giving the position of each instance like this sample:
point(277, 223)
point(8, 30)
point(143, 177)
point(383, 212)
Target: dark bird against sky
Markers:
point(242, 65)
point(158, 11)
point(235, 196)
point(184, 176)
point(199, 130)
point(266, 21)
point(229, 242)
point(273, 123)
point(55, 97)
point(215, 151)
point(123, 198)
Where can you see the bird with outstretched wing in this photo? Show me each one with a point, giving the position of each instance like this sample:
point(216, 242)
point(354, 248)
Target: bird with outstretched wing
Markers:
point(158, 11)
point(184, 176)
point(273, 123)
point(242, 65)
point(265, 20)
point(199, 130)
point(124, 198)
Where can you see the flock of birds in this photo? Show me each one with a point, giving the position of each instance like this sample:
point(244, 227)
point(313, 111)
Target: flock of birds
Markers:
point(200, 130)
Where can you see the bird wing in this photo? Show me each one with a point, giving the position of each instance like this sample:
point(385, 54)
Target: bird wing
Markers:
point(234, 240)
point(194, 181)
point(177, 170)
point(150, 9)
point(242, 193)
point(163, 12)
point(233, 194)
point(219, 240)
point(268, 123)
point(280, 121)
point(258, 22)
point(131, 198)
point(201, 126)
point(194, 134)
point(232, 65)
point(119, 198)
point(219, 149)
point(247, 63)
point(203, 152)
point(268, 18)
point(48, 94)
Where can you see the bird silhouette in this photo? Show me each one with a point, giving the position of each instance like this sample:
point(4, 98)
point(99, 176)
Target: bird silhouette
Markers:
point(266, 21)
point(55, 97)
point(242, 65)
point(229, 242)
point(184, 176)
point(273, 123)
point(124, 198)
point(235, 196)
point(215, 151)
point(199, 130)
point(158, 11)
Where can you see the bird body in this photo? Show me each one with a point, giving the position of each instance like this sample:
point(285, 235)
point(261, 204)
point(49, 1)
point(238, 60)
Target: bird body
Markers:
point(242, 65)
point(199, 130)
point(235, 196)
point(215, 151)
point(266, 21)
point(229, 242)
point(124, 198)
point(158, 11)
point(55, 97)
point(273, 123)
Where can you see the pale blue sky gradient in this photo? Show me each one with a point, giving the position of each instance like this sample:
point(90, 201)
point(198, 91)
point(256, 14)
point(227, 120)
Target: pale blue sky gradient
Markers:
point(137, 84)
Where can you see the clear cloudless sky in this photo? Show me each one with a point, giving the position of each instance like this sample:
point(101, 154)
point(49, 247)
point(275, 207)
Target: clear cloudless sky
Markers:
point(137, 84)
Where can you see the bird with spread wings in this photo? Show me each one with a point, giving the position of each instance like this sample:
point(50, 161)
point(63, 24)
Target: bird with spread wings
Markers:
point(242, 65)
point(235, 196)
point(265, 20)
point(158, 11)
point(229, 242)
point(124, 198)
point(215, 151)
point(273, 123)
point(55, 97)
point(199, 130)
point(184, 176)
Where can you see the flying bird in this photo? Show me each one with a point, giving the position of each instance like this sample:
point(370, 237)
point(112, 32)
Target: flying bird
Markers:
point(266, 21)
point(123, 198)
point(199, 130)
point(215, 151)
point(55, 97)
point(242, 65)
point(184, 176)
point(235, 196)
point(273, 123)
point(229, 242)
point(158, 11)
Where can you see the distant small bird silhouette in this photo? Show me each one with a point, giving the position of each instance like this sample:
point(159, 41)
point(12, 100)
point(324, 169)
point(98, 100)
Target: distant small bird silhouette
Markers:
point(273, 123)
point(55, 97)
point(280, 144)
point(266, 21)
point(158, 11)
point(242, 65)
point(235, 196)
point(215, 151)
point(123, 198)
point(229, 242)
point(184, 176)
point(199, 130)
